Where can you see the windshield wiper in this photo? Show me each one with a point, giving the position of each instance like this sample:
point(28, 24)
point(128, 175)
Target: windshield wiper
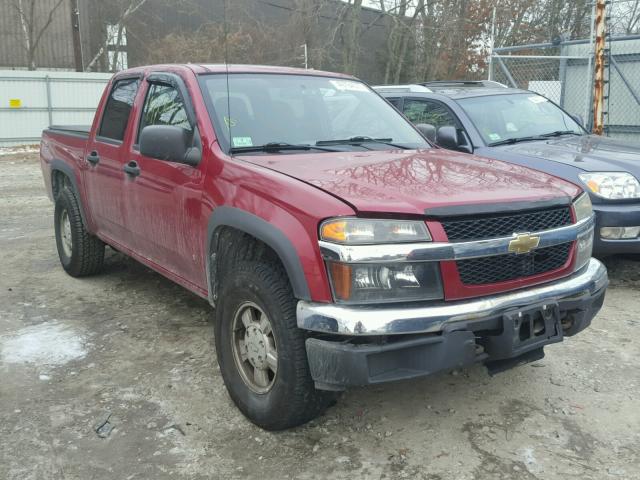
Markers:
point(360, 139)
point(558, 133)
point(277, 147)
point(509, 141)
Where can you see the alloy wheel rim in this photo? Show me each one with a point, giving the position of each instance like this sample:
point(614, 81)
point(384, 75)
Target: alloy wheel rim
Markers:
point(254, 348)
point(65, 233)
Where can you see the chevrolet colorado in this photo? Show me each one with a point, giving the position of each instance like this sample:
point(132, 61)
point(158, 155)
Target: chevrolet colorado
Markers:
point(337, 246)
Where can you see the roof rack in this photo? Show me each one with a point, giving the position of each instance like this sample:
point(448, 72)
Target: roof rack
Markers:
point(462, 84)
point(414, 88)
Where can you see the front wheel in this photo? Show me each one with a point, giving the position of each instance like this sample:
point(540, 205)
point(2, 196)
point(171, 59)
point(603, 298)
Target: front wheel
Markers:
point(261, 350)
point(80, 252)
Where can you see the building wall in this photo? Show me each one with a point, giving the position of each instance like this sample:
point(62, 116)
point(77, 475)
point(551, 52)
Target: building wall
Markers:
point(55, 49)
point(157, 18)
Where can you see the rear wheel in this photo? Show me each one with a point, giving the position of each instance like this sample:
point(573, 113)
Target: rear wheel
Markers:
point(261, 350)
point(80, 252)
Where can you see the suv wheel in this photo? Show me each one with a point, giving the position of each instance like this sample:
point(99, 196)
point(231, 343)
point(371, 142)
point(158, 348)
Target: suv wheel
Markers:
point(80, 252)
point(261, 350)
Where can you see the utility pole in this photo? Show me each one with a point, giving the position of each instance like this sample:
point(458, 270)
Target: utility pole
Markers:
point(75, 31)
point(599, 61)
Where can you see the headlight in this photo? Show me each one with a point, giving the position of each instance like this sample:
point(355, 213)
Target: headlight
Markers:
point(360, 231)
point(380, 282)
point(612, 185)
point(397, 282)
point(582, 207)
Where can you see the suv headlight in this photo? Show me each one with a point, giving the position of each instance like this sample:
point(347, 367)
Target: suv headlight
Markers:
point(612, 185)
point(360, 283)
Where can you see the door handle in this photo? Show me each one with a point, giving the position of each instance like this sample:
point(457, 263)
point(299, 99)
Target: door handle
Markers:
point(93, 158)
point(132, 168)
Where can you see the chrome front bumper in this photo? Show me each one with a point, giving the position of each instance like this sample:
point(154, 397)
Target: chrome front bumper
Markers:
point(434, 317)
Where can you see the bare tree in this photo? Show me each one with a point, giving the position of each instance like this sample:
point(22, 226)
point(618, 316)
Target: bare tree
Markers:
point(29, 12)
point(114, 36)
point(351, 45)
point(403, 32)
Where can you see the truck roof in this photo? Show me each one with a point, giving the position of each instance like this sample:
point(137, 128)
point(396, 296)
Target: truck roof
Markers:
point(455, 89)
point(199, 69)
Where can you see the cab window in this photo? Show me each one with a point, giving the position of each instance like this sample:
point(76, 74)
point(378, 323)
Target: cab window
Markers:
point(164, 106)
point(118, 108)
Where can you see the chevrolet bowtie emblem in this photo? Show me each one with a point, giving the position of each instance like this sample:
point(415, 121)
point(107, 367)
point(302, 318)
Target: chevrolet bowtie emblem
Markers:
point(523, 243)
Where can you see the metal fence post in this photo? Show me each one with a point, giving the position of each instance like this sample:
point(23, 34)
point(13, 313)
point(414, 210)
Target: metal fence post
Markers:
point(562, 74)
point(598, 83)
point(47, 82)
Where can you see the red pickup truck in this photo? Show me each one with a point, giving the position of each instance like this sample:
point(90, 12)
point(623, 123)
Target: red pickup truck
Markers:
point(337, 246)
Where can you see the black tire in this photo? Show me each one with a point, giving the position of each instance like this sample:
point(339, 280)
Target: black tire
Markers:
point(85, 255)
point(292, 398)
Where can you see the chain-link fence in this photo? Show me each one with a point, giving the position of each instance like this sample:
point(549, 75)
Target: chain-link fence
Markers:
point(563, 73)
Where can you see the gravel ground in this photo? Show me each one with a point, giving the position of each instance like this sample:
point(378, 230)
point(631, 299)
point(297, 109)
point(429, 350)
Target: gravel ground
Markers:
point(114, 377)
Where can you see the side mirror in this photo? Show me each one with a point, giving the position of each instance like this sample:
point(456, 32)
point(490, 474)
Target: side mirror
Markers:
point(428, 131)
point(578, 118)
point(447, 137)
point(166, 142)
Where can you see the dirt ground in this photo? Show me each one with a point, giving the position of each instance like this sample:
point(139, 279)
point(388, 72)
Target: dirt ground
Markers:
point(131, 355)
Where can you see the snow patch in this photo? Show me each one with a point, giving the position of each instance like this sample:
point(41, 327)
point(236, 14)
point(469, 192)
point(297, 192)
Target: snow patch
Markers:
point(49, 343)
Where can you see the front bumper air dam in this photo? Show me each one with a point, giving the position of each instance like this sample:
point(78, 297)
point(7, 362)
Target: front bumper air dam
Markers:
point(445, 335)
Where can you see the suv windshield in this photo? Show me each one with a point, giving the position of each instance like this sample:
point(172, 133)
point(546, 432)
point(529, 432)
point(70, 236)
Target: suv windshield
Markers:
point(500, 118)
point(268, 110)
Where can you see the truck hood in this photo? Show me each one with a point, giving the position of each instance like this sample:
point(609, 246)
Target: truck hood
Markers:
point(413, 182)
point(591, 153)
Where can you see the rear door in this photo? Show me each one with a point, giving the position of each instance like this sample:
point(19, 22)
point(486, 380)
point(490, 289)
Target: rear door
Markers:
point(164, 198)
point(105, 176)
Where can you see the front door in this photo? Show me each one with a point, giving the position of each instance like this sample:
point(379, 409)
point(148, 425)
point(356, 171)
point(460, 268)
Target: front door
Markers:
point(104, 177)
point(164, 197)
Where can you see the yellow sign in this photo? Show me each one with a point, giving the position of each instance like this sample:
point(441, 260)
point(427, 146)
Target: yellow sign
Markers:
point(523, 243)
point(15, 103)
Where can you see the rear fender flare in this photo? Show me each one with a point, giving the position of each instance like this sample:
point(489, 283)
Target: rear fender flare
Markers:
point(265, 232)
point(59, 165)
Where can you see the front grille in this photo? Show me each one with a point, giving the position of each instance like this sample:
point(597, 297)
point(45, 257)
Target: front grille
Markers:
point(460, 230)
point(502, 268)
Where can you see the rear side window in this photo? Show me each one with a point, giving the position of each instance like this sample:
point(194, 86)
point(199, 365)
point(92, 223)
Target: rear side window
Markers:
point(118, 108)
point(164, 106)
point(433, 113)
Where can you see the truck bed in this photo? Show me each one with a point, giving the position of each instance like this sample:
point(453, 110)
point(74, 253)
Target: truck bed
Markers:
point(76, 130)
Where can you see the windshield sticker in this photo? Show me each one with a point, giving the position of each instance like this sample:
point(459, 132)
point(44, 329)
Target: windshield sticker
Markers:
point(537, 99)
point(348, 86)
point(242, 142)
point(494, 136)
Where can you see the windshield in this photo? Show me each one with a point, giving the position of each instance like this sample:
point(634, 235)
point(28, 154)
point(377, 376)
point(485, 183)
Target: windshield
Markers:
point(279, 109)
point(503, 117)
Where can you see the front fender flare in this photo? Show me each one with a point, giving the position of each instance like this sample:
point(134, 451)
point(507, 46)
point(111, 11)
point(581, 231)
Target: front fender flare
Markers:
point(265, 232)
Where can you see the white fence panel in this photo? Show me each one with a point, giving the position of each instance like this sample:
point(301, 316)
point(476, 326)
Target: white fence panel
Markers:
point(31, 101)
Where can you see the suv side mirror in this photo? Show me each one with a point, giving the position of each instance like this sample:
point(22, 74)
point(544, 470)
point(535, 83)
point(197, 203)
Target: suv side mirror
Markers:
point(447, 137)
point(166, 142)
point(428, 131)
